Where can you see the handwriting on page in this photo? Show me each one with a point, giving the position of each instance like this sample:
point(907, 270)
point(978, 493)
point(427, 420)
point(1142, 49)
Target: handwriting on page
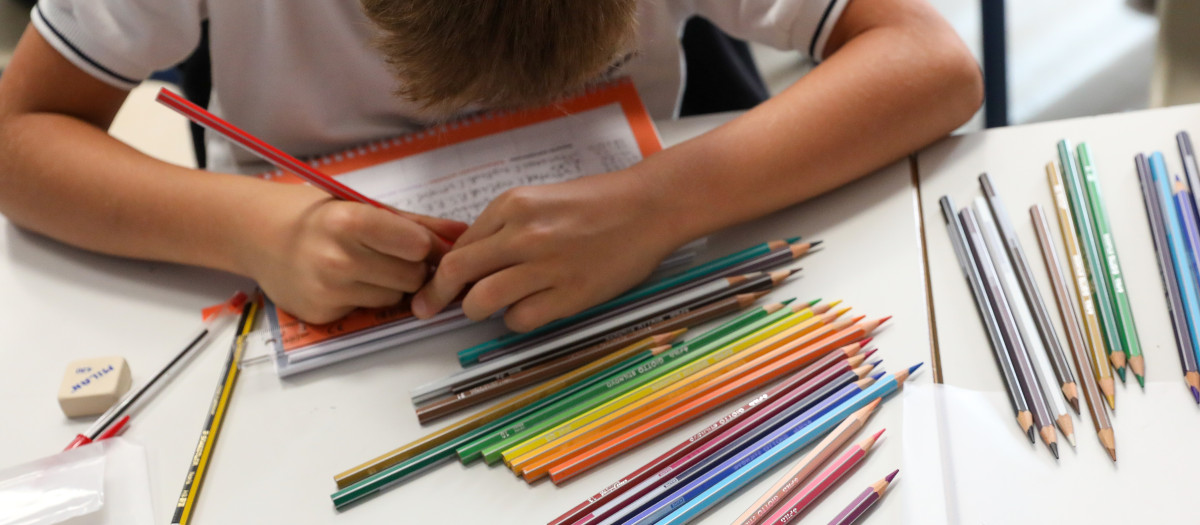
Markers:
point(457, 181)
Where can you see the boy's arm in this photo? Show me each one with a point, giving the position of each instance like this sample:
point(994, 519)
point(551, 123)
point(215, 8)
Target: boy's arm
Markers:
point(897, 78)
point(62, 175)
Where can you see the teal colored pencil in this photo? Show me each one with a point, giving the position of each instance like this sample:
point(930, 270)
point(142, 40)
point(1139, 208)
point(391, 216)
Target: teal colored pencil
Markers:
point(471, 355)
point(1085, 230)
point(1120, 296)
point(680, 356)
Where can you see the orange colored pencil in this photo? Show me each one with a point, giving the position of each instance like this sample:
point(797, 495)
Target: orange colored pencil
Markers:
point(569, 467)
point(798, 352)
point(809, 330)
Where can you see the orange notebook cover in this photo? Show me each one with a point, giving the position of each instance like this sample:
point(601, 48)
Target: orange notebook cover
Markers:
point(453, 170)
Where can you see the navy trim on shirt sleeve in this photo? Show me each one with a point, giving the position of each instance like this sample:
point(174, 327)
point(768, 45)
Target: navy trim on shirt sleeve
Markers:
point(81, 54)
point(812, 46)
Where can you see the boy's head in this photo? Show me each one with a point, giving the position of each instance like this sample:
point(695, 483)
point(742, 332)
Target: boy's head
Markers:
point(449, 54)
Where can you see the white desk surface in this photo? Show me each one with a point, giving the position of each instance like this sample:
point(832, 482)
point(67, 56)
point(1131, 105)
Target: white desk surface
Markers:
point(1015, 158)
point(284, 440)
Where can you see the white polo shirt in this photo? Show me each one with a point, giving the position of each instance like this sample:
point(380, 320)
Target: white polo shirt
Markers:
point(302, 75)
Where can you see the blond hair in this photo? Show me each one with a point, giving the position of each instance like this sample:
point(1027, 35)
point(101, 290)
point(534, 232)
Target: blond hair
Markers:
point(449, 54)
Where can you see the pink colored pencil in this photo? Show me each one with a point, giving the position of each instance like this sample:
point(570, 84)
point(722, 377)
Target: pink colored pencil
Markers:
point(863, 502)
point(819, 386)
point(829, 477)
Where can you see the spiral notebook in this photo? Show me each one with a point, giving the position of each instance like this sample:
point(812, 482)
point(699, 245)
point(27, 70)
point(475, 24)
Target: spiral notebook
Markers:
point(452, 171)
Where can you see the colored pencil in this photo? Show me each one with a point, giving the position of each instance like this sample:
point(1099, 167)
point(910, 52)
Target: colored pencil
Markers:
point(130, 401)
point(966, 261)
point(1043, 372)
point(1070, 319)
point(742, 349)
point(855, 510)
point(532, 375)
point(1122, 311)
point(685, 359)
point(1186, 213)
point(725, 483)
point(1020, 265)
point(806, 467)
point(462, 432)
point(762, 263)
point(402, 463)
point(471, 355)
point(1008, 325)
point(491, 369)
point(1093, 256)
point(1176, 240)
point(830, 476)
point(751, 415)
point(1083, 292)
point(535, 463)
point(848, 362)
point(215, 416)
point(659, 498)
point(1162, 249)
point(1188, 156)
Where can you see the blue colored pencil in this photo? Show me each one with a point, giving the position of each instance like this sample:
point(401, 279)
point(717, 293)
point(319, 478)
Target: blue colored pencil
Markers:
point(1181, 259)
point(784, 424)
point(690, 501)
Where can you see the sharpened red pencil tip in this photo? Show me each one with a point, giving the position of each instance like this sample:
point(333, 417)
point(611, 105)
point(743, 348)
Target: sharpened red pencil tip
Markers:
point(885, 319)
point(877, 434)
point(864, 342)
point(892, 475)
point(870, 353)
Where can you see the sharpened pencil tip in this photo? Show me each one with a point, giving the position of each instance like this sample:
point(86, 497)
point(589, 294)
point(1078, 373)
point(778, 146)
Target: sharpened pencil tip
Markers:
point(815, 243)
point(892, 476)
point(878, 375)
point(793, 240)
point(815, 302)
point(1141, 380)
point(874, 363)
point(1121, 374)
point(1074, 402)
point(885, 319)
point(872, 351)
point(1112, 401)
point(1196, 394)
point(914, 368)
point(864, 342)
point(786, 302)
point(1029, 433)
point(877, 434)
point(1071, 440)
point(1054, 449)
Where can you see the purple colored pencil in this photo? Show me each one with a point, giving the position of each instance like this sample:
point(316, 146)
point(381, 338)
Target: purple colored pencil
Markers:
point(863, 502)
point(815, 396)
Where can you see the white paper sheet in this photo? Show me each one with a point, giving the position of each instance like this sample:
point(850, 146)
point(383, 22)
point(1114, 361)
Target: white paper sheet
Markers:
point(965, 461)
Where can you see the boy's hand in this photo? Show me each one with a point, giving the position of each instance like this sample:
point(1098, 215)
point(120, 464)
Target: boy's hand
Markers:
point(546, 252)
point(319, 258)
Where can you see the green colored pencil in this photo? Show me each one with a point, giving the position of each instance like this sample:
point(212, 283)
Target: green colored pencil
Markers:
point(402, 470)
point(1124, 312)
point(678, 357)
point(470, 355)
point(1086, 233)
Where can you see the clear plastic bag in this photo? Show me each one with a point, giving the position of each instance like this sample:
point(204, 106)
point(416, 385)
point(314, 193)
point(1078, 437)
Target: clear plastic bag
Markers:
point(53, 489)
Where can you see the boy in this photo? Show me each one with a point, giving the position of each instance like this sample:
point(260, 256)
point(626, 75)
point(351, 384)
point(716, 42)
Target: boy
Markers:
point(313, 77)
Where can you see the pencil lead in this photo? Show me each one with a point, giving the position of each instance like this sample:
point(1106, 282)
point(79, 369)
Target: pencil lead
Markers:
point(1071, 440)
point(793, 271)
point(856, 319)
point(1074, 402)
point(1196, 394)
point(875, 363)
point(885, 319)
point(877, 434)
point(1112, 453)
point(835, 303)
point(814, 244)
point(814, 302)
point(1029, 433)
point(1054, 449)
point(878, 375)
point(865, 341)
point(793, 240)
point(1112, 401)
point(892, 476)
point(1141, 380)
point(872, 351)
point(1121, 373)
point(914, 368)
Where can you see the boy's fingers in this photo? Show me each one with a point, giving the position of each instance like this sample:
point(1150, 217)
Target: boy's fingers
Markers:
point(367, 295)
point(540, 308)
point(457, 269)
point(501, 289)
point(446, 231)
point(391, 273)
point(486, 225)
point(394, 236)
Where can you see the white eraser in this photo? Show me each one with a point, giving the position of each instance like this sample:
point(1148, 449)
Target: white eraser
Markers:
point(91, 386)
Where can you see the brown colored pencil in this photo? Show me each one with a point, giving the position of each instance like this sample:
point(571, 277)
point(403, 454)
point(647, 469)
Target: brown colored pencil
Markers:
point(524, 378)
point(1070, 319)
